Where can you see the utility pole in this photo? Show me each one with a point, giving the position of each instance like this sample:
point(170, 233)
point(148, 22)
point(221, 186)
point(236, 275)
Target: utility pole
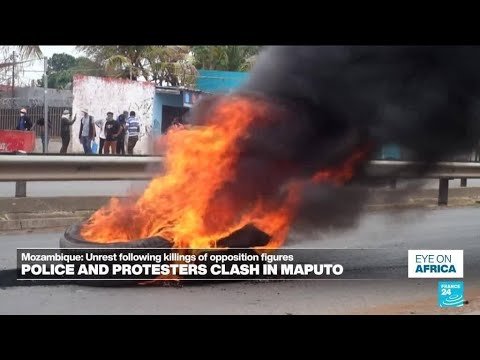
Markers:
point(45, 104)
point(13, 75)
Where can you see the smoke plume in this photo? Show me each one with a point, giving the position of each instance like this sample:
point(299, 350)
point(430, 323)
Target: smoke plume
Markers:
point(326, 101)
point(287, 147)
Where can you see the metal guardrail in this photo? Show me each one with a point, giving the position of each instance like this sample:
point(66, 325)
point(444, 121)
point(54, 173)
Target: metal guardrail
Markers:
point(23, 168)
point(410, 169)
point(53, 167)
point(73, 167)
point(444, 171)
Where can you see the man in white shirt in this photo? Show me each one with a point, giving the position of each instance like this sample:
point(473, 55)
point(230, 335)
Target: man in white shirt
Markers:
point(101, 124)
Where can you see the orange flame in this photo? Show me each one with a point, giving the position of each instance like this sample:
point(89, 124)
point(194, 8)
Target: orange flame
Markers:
point(177, 205)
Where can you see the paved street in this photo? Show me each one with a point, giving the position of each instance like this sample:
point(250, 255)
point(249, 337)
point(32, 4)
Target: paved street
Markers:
point(422, 229)
point(116, 188)
point(74, 188)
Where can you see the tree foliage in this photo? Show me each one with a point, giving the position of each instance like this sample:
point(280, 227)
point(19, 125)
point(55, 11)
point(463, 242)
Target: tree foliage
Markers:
point(227, 58)
point(164, 65)
point(22, 53)
point(30, 51)
point(62, 67)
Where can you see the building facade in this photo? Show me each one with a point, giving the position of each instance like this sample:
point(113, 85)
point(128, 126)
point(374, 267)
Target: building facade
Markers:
point(171, 103)
point(156, 106)
point(100, 95)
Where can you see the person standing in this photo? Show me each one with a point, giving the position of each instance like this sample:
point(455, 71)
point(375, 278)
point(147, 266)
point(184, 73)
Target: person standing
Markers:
point(101, 124)
point(133, 129)
point(87, 132)
point(122, 121)
point(65, 126)
point(41, 123)
point(122, 139)
point(125, 116)
point(23, 122)
point(112, 131)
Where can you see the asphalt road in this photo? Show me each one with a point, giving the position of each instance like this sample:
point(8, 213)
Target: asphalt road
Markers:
point(397, 232)
point(121, 187)
point(74, 188)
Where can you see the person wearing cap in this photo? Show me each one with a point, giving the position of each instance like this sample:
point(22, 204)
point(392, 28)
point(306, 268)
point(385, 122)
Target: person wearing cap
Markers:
point(112, 131)
point(24, 123)
point(65, 126)
point(87, 132)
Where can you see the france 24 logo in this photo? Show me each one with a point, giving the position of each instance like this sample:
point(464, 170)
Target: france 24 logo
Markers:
point(450, 294)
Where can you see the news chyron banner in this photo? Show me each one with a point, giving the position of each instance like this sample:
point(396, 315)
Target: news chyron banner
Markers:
point(235, 264)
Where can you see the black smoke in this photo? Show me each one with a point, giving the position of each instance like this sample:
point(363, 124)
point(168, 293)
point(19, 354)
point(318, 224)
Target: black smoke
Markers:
point(327, 101)
point(423, 98)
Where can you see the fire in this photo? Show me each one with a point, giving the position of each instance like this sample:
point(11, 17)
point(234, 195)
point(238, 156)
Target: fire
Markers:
point(188, 204)
point(340, 175)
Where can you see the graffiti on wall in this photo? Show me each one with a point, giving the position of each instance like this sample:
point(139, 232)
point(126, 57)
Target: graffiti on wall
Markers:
point(101, 95)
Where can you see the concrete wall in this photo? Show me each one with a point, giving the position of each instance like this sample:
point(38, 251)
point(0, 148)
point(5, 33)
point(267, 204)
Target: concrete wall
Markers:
point(164, 99)
point(34, 96)
point(100, 95)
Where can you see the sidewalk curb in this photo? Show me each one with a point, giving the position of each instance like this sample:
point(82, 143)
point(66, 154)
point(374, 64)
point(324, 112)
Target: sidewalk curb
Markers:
point(51, 204)
point(12, 225)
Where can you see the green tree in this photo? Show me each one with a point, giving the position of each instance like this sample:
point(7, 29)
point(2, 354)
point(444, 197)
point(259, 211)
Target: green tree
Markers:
point(60, 62)
point(30, 51)
point(85, 66)
point(227, 58)
point(22, 53)
point(164, 65)
point(169, 65)
point(61, 68)
point(58, 70)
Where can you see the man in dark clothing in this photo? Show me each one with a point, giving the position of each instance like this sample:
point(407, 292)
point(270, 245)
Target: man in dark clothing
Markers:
point(24, 123)
point(112, 130)
point(122, 120)
point(65, 124)
point(41, 124)
point(124, 115)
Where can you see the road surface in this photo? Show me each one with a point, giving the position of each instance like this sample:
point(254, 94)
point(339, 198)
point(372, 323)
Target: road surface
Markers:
point(420, 229)
point(122, 187)
point(74, 188)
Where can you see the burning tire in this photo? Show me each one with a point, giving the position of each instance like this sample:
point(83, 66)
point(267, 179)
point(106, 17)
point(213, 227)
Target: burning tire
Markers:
point(72, 239)
point(248, 236)
point(72, 242)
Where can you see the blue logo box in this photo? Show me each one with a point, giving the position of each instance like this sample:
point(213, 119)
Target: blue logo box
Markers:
point(450, 294)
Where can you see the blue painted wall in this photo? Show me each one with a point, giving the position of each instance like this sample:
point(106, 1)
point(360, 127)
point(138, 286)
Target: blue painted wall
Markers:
point(160, 100)
point(389, 152)
point(215, 81)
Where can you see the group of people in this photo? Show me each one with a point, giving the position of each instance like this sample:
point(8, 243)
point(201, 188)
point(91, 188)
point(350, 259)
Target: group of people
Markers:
point(114, 133)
